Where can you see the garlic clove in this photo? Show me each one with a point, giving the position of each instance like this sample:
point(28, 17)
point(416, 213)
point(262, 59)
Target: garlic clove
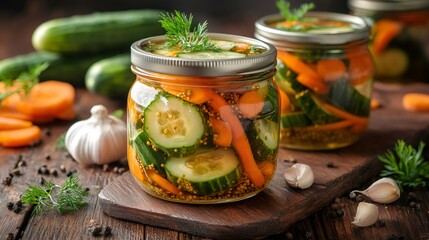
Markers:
point(384, 190)
point(366, 215)
point(299, 176)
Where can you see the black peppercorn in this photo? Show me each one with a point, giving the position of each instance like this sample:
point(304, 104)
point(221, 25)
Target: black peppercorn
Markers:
point(340, 213)
point(96, 231)
point(107, 231)
point(7, 180)
point(10, 205)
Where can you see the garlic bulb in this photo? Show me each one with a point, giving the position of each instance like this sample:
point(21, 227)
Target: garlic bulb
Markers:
point(366, 215)
point(299, 176)
point(385, 190)
point(100, 139)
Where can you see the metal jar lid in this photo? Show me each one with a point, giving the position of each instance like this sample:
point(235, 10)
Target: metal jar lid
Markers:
point(388, 5)
point(282, 38)
point(265, 61)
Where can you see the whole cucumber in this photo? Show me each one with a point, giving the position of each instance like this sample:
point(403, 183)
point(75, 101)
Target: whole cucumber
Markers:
point(96, 32)
point(111, 77)
point(62, 68)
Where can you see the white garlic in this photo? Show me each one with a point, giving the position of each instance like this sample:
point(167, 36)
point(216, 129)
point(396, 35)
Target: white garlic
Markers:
point(299, 176)
point(100, 139)
point(366, 214)
point(385, 190)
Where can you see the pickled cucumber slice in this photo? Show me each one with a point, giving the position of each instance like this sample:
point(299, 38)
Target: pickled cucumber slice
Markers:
point(148, 155)
point(295, 119)
point(345, 96)
point(312, 106)
point(392, 62)
point(264, 139)
point(207, 171)
point(173, 125)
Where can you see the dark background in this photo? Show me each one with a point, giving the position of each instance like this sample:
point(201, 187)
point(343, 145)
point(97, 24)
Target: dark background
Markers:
point(18, 18)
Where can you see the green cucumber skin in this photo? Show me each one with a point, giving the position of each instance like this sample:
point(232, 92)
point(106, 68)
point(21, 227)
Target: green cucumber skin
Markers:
point(271, 108)
point(314, 111)
point(346, 97)
point(97, 32)
point(295, 119)
point(286, 79)
point(147, 155)
point(260, 150)
point(110, 77)
point(62, 68)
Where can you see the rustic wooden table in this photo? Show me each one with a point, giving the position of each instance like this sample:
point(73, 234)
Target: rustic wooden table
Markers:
point(397, 221)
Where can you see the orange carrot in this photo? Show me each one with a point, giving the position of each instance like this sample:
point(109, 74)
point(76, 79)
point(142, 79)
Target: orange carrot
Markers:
point(267, 168)
point(359, 127)
point(416, 102)
point(239, 140)
point(222, 132)
point(284, 101)
point(197, 95)
point(162, 182)
point(9, 113)
point(250, 104)
point(331, 69)
point(385, 30)
point(45, 99)
point(330, 126)
point(67, 114)
point(312, 80)
point(345, 115)
point(134, 165)
point(12, 123)
point(361, 65)
point(375, 104)
point(20, 137)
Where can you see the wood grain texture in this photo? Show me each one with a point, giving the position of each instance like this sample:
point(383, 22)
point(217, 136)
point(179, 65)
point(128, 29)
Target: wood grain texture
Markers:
point(277, 207)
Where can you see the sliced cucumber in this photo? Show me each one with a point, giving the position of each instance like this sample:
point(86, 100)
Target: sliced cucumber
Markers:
point(211, 55)
point(224, 45)
point(314, 109)
point(295, 119)
point(148, 154)
point(207, 171)
point(286, 79)
point(173, 125)
point(393, 62)
point(271, 105)
point(345, 96)
point(264, 139)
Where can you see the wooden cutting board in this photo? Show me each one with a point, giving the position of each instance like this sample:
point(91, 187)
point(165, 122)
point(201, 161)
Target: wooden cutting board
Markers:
point(273, 210)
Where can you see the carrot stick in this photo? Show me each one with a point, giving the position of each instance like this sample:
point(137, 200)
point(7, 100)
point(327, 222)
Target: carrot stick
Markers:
point(222, 132)
point(12, 123)
point(134, 165)
point(312, 79)
point(330, 126)
point(345, 115)
point(416, 102)
point(284, 101)
point(239, 140)
point(20, 137)
point(267, 168)
point(331, 69)
point(197, 95)
point(250, 104)
point(375, 104)
point(162, 182)
point(385, 31)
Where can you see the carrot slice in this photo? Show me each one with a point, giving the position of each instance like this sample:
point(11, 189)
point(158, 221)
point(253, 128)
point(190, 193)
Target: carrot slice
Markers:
point(20, 137)
point(222, 132)
point(250, 104)
point(345, 115)
point(385, 30)
point(361, 65)
point(331, 69)
point(312, 79)
point(9, 113)
point(197, 95)
point(267, 168)
point(284, 101)
point(416, 102)
point(45, 99)
point(163, 183)
point(67, 114)
point(12, 123)
point(239, 140)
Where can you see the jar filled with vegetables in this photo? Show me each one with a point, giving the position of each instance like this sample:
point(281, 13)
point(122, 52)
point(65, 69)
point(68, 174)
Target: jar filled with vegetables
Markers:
point(203, 114)
point(324, 74)
point(400, 38)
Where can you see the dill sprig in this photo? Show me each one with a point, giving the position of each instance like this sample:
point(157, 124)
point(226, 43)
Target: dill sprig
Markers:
point(293, 15)
point(179, 34)
point(406, 165)
point(66, 198)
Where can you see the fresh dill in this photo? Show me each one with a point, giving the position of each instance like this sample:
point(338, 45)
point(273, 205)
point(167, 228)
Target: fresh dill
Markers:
point(406, 165)
point(179, 34)
point(66, 198)
point(293, 15)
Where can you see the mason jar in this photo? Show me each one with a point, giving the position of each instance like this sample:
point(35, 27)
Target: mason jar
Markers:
point(400, 38)
point(324, 74)
point(203, 127)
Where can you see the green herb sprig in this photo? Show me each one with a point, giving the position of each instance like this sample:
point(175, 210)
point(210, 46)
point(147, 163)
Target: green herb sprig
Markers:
point(66, 198)
point(406, 165)
point(179, 34)
point(293, 15)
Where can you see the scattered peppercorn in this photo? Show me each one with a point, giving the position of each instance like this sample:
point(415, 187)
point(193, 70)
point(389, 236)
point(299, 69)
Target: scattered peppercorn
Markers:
point(47, 156)
point(340, 213)
point(331, 165)
point(71, 172)
point(10, 205)
point(7, 181)
point(54, 172)
point(96, 231)
point(107, 231)
point(16, 208)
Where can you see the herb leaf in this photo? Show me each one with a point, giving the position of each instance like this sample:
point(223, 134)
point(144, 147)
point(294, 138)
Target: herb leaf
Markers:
point(296, 14)
point(178, 31)
point(66, 198)
point(406, 165)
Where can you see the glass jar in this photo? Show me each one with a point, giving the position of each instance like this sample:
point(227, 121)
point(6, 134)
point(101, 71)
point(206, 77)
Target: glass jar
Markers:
point(325, 74)
point(203, 129)
point(400, 38)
